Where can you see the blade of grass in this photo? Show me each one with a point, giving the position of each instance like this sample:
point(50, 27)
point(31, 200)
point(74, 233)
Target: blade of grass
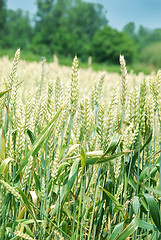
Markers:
point(113, 199)
point(146, 225)
point(65, 189)
point(132, 227)
point(117, 230)
point(154, 210)
point(40, 140)
point(93, 160)
point(4, 92)
point(4, 164)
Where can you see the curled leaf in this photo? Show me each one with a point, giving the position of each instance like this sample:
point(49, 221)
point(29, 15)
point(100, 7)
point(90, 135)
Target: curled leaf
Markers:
point(33, 196)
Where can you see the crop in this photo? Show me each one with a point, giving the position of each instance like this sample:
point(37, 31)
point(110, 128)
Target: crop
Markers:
point(79, 160)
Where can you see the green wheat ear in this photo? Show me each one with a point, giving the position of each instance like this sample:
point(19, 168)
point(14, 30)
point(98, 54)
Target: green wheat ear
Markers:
point(58, 92)
point(14, 67)
point(23, 235)
point(89, 161)
point(74, 86)
point(123, 79)
point(10, 189)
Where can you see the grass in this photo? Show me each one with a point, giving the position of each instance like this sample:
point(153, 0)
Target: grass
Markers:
point(74, 166)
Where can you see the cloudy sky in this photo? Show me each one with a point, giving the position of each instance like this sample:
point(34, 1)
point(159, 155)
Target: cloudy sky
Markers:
point(119, 12)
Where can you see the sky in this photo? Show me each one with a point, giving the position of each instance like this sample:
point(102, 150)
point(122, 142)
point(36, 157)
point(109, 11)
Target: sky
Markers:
point(119, 12)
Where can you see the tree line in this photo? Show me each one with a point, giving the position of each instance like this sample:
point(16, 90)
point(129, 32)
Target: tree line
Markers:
point(69, 27)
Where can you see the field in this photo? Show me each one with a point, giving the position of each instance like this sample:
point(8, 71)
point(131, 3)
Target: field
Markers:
point(80, 152)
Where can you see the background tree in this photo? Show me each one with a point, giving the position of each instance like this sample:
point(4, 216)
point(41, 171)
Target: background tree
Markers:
point(3, 17)
point(130, 29)
point(150, 54)
point(66, 27)
point(108, 44)
point(69, 27)
point(83, 28)
point(50, 23)
point(18, 28)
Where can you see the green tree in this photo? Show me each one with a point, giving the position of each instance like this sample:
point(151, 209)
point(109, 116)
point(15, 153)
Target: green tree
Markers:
point(19, 30)
point(66, 27)
point(150, 54)
point(142, 36)
point(145, 39)
point(108, 44)
point(50, 24)
point(130, 29)
point(155, 36)
point(3, 17)
point(84, 20)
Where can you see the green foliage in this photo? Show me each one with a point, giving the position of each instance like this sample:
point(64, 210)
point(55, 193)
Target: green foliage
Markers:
point(75, 27)
point(148, 41)
point(18, 29)
point(151, 54)
point(130, 29)
point(108, 43)
point(65, 28)
point(3, 16)
point(60, 28)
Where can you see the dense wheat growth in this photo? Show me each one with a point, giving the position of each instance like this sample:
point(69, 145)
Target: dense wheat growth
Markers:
point(79, 153)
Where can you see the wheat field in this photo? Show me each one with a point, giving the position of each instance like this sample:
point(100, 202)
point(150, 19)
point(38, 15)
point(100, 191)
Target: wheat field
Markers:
point(80, 152)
